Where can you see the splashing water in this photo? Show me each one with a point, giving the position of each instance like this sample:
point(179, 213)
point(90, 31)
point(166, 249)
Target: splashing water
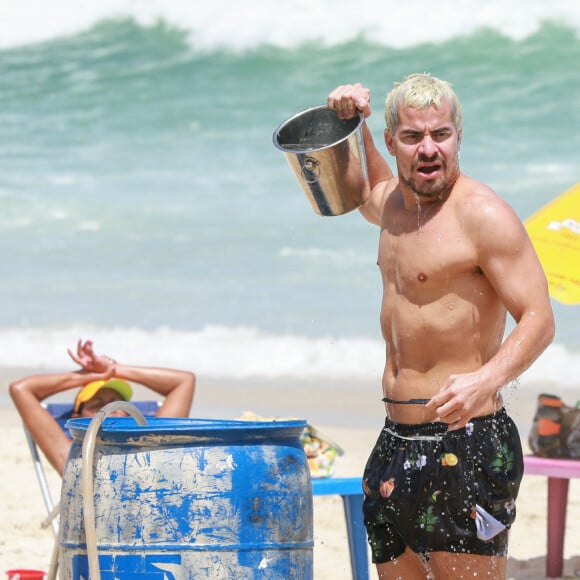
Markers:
point(418, 202)
point(506, 392)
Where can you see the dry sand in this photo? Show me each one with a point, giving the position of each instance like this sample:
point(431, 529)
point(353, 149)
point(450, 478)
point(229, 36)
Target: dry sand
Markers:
point(23, 544)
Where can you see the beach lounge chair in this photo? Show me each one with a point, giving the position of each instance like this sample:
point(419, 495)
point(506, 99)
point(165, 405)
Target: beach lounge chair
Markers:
point(62, 412)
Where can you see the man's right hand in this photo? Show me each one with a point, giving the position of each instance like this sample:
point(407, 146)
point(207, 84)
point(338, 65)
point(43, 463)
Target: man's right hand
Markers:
point(346, 100)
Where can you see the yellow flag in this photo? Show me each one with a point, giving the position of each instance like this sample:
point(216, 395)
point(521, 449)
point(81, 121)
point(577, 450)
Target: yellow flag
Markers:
point(555, 233)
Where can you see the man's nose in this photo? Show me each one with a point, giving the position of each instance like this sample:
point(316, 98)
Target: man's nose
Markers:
point(427, 147)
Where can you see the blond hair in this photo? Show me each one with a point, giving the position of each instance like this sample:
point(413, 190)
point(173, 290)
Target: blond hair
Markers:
point(420, 91)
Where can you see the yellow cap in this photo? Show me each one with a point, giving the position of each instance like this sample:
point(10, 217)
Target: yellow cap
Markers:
point(89, 391)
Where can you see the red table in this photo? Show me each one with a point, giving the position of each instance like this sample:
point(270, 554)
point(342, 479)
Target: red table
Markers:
point(559, 472)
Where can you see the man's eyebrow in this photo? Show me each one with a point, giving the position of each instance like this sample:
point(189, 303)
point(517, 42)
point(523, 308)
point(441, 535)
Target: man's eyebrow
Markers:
point(441, 129)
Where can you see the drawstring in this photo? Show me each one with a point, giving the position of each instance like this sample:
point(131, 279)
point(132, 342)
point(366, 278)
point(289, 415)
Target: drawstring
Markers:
point(435, 438)
point(408, 402)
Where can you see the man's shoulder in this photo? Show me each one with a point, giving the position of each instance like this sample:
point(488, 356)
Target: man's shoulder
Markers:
point(472, 188)
point(480, 201)
point(386, 187)
point(374, 208)
point(488, 217)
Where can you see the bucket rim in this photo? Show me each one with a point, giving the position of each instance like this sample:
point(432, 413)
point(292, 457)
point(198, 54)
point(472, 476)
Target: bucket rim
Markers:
point(276, 133)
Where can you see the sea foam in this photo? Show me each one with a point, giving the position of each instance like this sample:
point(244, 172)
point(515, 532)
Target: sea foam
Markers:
point(224, 25)
point(241, 353)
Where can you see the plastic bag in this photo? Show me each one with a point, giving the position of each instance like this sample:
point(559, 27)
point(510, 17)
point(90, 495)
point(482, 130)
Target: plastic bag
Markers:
point(320, 451)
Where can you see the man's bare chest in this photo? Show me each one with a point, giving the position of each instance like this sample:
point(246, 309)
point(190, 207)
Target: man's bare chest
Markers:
point(433, 257)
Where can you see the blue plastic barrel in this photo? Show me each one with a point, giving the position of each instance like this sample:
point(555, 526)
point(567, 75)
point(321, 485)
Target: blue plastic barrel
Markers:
point(190, 498)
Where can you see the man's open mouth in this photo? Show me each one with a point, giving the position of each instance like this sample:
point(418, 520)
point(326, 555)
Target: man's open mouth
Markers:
point(429, 169)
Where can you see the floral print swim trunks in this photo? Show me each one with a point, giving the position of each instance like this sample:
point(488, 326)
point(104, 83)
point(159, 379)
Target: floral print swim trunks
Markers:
point(434, 490)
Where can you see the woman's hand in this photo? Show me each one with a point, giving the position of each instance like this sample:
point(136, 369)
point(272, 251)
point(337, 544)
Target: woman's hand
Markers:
point(90, 361)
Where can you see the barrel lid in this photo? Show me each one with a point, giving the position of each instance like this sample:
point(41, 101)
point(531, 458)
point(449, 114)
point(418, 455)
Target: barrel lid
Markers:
point(125, 428)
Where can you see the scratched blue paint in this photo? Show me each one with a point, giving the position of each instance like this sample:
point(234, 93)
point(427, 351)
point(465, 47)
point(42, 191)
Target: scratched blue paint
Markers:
point(190, 498)
point(130, 567)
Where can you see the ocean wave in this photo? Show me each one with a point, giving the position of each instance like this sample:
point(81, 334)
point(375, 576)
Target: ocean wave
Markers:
point(242, 353)
point(224, 25)
point(214, 351)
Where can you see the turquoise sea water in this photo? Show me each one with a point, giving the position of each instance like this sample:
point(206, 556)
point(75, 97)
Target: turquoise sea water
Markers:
point(144, 205)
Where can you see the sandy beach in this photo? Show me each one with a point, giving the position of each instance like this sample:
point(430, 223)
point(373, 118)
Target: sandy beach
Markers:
point(351, 417)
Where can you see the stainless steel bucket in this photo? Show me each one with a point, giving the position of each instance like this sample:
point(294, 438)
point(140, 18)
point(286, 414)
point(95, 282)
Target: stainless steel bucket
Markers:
point(327, 157)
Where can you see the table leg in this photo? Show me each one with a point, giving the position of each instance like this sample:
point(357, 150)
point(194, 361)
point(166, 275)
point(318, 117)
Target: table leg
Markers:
point(357, 537)
point(557, 503)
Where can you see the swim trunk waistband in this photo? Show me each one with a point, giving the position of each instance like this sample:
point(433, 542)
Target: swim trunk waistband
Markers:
point(437, 429)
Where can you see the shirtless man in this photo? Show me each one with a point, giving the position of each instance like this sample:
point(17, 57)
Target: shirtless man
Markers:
point(101, 380)
point(441, 483)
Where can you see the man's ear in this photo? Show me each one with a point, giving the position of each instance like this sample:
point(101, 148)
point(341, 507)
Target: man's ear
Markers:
point(389, 142)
